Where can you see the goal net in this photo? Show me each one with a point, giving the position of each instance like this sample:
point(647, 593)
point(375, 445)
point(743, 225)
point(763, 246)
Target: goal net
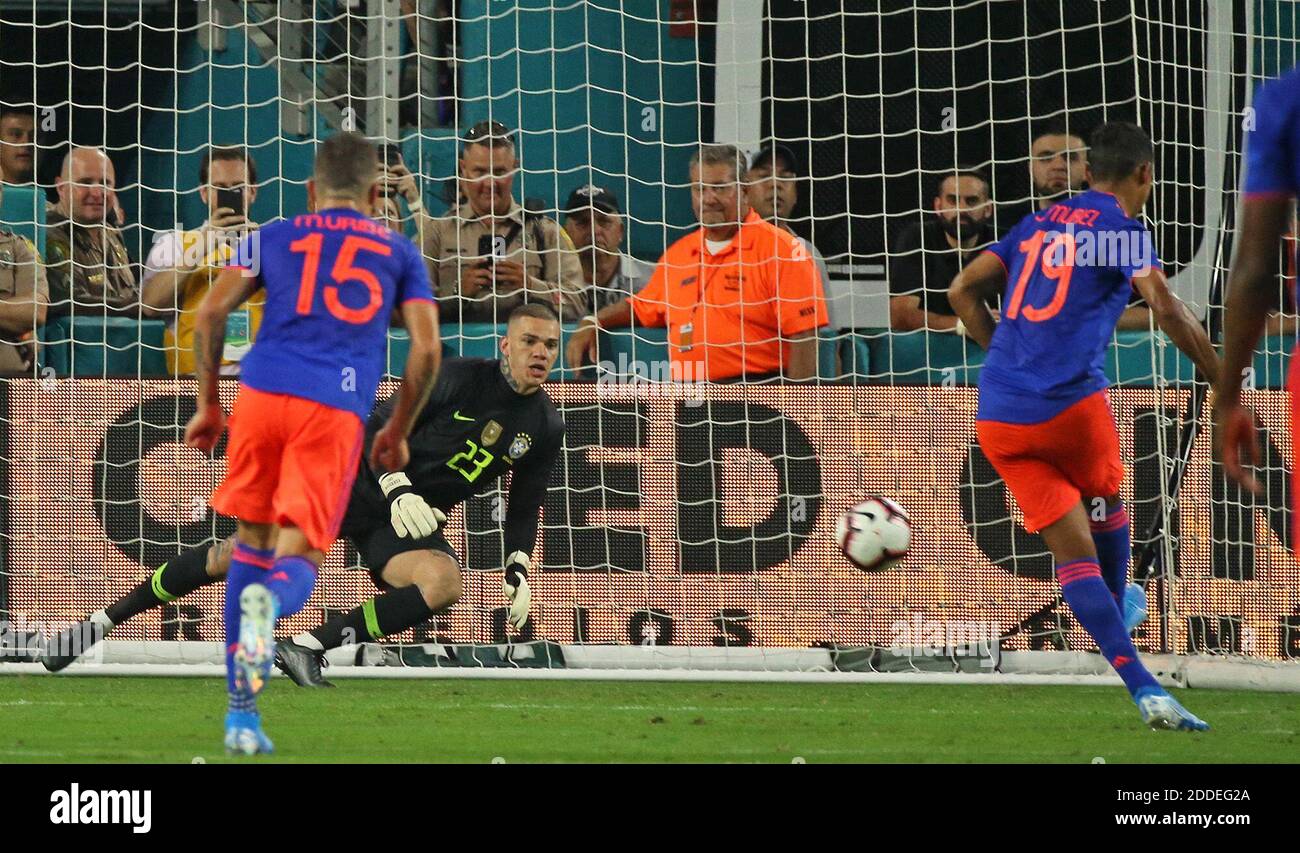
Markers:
point(684, 522)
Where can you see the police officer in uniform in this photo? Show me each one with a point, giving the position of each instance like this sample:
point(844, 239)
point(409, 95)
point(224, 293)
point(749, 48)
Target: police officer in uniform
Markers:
point(89, 270)
point(24, 295)
point(489, 254)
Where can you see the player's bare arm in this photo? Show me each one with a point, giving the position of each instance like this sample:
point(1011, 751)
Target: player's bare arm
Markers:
point(969, 295)
point(1264, 219)
point(231, 289)
point(1177, 321)
point(389, 451)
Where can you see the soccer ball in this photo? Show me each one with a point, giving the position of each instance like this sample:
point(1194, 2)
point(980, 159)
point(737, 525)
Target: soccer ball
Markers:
point(874, 534)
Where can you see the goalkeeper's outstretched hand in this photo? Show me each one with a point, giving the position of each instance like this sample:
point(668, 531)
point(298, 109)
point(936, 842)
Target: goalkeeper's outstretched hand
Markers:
point(516, 589)
point(410, 514)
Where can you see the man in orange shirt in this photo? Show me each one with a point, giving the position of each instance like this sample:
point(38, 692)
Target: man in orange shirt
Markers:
point(741, 298)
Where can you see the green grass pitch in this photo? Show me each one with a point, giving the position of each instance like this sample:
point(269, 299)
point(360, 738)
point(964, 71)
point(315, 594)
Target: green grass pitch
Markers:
point(91, 719)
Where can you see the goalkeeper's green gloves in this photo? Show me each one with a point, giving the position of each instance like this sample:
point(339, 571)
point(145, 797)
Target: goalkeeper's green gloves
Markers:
point(410, 515)
point(516, 588)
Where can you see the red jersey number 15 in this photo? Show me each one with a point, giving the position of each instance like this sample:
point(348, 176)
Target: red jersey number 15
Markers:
point(344, 271)
point(1059, 272)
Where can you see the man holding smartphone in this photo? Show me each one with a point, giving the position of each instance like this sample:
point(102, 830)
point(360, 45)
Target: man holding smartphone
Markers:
point(397, 181)
point(489, 254)
point(182, 264)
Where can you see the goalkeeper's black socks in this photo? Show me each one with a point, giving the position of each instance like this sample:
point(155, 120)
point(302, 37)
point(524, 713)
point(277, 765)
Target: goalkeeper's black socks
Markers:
point(382, 615)
point(172, 580)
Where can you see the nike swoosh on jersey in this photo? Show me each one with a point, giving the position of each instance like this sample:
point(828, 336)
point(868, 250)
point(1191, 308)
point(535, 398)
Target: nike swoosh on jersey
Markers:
point(458, 416)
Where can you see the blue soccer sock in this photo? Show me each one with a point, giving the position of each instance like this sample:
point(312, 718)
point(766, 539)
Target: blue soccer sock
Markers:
point(1111, 536)
point(247, 565)
point(1095, 608)
point(291, 580)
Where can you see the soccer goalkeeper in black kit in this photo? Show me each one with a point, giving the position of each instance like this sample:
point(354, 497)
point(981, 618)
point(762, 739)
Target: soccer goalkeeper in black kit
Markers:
point(485, 417)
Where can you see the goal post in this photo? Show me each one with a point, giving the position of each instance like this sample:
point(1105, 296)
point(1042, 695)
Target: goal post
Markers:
point(684, 523)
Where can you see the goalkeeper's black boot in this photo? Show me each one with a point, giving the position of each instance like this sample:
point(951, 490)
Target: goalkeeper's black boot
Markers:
point(71, 643)
point(300, 663)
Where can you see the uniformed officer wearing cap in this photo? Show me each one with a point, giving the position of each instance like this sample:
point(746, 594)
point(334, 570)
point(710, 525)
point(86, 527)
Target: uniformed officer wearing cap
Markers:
point(89, 270)
point(488, 254)
point(595, 225)
point(23, 299)
point(773, 180)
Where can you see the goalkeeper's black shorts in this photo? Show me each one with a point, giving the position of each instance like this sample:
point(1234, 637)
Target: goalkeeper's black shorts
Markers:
point(377, 543)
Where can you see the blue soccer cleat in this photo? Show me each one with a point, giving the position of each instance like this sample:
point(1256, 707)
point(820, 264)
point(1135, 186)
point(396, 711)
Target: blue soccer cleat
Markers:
point(1162, 711)
point(1133, 606)
point(244, 735)
point(256, 649)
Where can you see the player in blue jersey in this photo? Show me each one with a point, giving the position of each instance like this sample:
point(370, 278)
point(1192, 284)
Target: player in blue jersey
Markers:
point(1044, 420)
point(1271, 183)
point(333, 279)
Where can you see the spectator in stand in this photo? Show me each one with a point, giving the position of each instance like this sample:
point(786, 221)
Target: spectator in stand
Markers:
point(488, 254)
point(1058, 169)
point(594, 224)
point(18, 144)
point(88, 267)
point(773, 180)
point(927, 256)
point(741, 298)
point(24, 296)
point(182, 265)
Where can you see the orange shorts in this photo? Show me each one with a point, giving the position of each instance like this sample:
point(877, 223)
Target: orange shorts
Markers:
point(1051, 466)
point(290, 461)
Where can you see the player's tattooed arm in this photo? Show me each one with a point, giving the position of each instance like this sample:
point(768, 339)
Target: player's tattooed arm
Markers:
point(231, 289)
point(970, 292)
point(389, 451)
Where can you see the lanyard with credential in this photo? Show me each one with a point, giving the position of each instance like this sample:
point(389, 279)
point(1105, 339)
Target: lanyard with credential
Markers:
point(688, 330)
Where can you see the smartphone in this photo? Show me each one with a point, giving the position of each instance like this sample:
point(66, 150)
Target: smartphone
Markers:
point(392, 154)
point(233, 198)
point(485, 250)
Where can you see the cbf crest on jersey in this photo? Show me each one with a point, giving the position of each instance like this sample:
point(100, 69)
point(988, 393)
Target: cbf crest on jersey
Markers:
point(519, 446)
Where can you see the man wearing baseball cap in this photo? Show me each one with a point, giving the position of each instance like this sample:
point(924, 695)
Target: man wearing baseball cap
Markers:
point(594, 223)
point(773, 180)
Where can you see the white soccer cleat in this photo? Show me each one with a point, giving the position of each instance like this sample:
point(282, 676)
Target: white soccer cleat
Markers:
point(256, 647)
point(1162, 711)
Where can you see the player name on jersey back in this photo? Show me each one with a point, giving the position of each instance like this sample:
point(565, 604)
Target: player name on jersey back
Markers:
point(1069, 277)
point(332, 280)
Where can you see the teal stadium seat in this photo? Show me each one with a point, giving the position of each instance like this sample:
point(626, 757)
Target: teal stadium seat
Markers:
point(475, 340)
point(935, 358)
point(103, 346)
point(22, 211)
